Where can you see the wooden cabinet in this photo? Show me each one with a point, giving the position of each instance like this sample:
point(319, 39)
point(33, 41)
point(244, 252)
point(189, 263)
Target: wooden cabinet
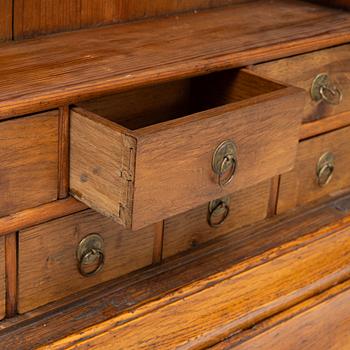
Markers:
point(322, 169)
point(207, 157)
point(324, 74)
point(222, 127)
point(185, 231)
point(29, 166)
point(48, 263)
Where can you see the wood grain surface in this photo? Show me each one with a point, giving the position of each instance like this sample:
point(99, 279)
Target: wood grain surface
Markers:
point(29, 164)
point(63, 152)
point(47, 264)
point(323, 327)
point(300, 186)
point(6, 19)
point(2, 279)
point(230, 304)
point(186, 231)
point(61, 69)
point(102, 165)
point(265, 241)
point(44, 16)
point(38, 17)
point(321, 126)
point(309, 333)
point(301, 70)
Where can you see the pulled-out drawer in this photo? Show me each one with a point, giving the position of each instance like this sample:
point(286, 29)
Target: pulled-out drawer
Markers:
point(322, 169)
point(185, 231)
point(324, 74)
point(29, 165)
point(74, 253)
point(149, 154)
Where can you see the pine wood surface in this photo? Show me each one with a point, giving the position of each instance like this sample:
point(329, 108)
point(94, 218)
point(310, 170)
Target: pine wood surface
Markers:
point(61, 69)
point(233, 301)
point(11, 273)
point(38, 17)
point(301, 70)
point(263, 241)
point(47, 263)
point(29, 164)
point(323, 327)
point(186, 231)
point(300, 185)
point(101, 170)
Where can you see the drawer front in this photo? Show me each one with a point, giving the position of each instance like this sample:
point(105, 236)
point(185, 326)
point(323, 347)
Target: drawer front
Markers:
point(302, 70)
point(28, 153)
point(48, 263)
point(322, 169)
point(186, 231)
point(142, 176)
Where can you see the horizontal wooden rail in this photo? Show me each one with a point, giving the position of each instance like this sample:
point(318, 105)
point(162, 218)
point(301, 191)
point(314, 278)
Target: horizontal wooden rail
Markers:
point(38, 215)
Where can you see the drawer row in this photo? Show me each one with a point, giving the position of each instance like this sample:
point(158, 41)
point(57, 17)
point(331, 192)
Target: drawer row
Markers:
point(73, 253)
point(199, 153)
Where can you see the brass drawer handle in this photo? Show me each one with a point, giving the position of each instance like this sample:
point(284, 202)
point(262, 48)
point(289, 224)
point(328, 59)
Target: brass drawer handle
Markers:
point(224, 162)
point(324, 89)
point(90, 251)
point(325, 169)
point(219, 208)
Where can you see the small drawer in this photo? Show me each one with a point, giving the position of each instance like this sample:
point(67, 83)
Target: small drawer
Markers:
point(28, 169)
point(324, 74)
point(321, 169)
point(188, 230)
point(146, 155)
point(74, 253)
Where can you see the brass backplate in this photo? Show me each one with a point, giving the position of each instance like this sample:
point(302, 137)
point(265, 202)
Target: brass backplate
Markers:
point(325, 168)
point(226, 148)
point(322, 80)
point(93, 241)
point(213, 205)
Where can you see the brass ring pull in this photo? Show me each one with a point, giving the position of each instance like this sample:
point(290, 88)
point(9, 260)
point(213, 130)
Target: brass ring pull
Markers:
point(218, 208)
point(90, 251)
point(86, 258)
point(230, 162)
point(325, 169)
point(324, 89)
point(224, 162)
point(331, 95)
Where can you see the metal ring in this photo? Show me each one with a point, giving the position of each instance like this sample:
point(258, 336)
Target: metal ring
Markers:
point(334, 91)
point(220, 205)
point(232, 160)
point(327, 167)
point(86, 256)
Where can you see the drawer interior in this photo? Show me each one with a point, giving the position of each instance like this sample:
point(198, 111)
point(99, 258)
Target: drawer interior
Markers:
point(163, 102)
